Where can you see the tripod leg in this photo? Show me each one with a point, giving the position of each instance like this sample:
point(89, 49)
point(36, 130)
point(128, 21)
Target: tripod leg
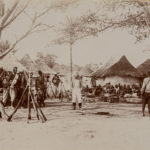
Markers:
point(23, 104)
point(2, 110)
point(40, 115)
point(40, 111)
point(34, 106)
point(29, 107)
point(9, 118)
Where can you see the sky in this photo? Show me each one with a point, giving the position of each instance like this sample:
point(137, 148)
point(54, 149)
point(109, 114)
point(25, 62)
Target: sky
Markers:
point(112, 43)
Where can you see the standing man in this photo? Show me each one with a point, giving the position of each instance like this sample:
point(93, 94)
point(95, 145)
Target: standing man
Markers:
point(76, 92)
point(39, 84)
point(145, 92)
point(13, 85)
point(93, 83)
point(5, 85)
point(56, 81)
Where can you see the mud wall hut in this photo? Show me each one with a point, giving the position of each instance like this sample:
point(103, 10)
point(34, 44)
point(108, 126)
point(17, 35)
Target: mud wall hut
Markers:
point(122, 72)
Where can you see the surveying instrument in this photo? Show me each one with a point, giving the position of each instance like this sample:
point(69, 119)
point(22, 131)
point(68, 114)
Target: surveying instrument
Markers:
point(32, 99)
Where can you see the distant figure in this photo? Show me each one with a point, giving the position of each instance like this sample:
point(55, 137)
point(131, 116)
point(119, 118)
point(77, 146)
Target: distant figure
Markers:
point(40, 88)
point(48, 86)
point(56, 81)
point(5, 85)
point(93, 83)
point(21, 84)
point(76, 92)
point(145, 92)
point(13, 85)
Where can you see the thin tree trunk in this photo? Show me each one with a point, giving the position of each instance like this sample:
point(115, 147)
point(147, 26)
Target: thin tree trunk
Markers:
point(71, 70)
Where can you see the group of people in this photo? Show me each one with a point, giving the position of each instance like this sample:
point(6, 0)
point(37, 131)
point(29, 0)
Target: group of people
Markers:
point(142, 91)
point(109, 89)
point(13, 85)
point(122, 90)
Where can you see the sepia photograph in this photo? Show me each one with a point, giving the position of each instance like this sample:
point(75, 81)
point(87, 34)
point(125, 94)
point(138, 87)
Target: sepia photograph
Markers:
point(74, 74)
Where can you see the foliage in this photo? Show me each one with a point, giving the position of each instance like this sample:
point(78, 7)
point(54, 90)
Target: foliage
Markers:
point(10, 11)
point(48, 59)
point(132, 15)
point(4, 45)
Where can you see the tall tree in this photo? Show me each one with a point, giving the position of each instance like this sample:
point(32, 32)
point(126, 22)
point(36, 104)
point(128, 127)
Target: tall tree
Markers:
point(130, 14)
point(79, 28)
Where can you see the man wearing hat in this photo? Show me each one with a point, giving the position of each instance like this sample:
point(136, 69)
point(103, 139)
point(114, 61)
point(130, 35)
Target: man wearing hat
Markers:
point(145, 92)
point(76, 92)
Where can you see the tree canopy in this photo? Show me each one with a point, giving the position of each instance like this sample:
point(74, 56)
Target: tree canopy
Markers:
point(11, 11)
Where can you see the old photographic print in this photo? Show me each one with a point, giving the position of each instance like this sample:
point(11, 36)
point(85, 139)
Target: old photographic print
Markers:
point(74, 74)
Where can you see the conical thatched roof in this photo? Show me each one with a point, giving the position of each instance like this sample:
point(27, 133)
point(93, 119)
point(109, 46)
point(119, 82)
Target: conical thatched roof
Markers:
point(62, 69)
point(85, 71)
point(41, 65)
point(10, 61)
point(144, 67)
point(65, 69)
point(28, 63)
point(103, 68)
point(122, 68)
point(34, 66)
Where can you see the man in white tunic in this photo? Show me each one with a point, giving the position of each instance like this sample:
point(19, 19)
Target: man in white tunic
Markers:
point(76, 92)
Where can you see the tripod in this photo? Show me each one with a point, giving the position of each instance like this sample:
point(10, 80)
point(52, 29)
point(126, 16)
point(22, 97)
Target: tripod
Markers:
point(31, 98)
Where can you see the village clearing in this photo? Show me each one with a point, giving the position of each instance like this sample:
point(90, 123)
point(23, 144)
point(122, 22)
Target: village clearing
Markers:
point(103, 126)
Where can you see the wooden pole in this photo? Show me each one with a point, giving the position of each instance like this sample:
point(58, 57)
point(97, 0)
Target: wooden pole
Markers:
point(71, 68)
point(29, 94)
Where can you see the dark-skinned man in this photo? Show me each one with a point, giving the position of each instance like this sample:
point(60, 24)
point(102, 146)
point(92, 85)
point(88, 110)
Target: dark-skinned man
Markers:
point(145, 92)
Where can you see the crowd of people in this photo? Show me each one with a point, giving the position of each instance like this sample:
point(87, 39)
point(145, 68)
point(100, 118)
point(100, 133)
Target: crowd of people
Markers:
point(14, 83)
point(109, 89)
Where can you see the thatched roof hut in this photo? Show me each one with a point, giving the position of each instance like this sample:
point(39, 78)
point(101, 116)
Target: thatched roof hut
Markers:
point(65, 69)
point(85, 71)
point(122, 72)
point(10, 61)
point(62, 69)
point(122, 68)
point(34, 66)
point(98, 73)
point(29, 63)
point(144, 67)
point(41, 65)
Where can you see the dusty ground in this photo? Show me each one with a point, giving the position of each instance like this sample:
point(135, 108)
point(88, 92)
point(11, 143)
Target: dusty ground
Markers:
point(123, 128)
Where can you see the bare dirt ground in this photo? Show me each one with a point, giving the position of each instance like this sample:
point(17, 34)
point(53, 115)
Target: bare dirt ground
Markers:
point(104, 126)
